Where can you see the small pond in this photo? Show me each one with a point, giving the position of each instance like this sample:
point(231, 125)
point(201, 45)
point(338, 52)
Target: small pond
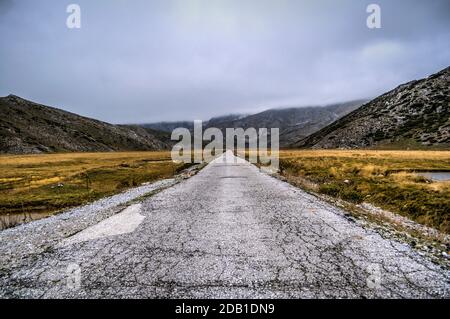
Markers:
point(15, 219)
point(436, 176)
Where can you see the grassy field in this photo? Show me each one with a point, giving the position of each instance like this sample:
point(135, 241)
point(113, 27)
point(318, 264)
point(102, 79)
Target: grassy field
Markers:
point(387, 179)
point(48, 183)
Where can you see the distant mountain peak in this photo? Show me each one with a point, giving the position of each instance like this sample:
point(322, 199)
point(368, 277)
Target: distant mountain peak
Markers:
point(12, 97)
point(293, 122)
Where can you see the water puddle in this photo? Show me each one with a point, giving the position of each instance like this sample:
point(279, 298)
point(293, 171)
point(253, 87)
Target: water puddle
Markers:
point(15, 219)
point(436, 176)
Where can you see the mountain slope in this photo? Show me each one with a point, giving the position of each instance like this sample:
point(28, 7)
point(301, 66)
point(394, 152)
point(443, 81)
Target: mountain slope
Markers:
point(416, 113)
point(168, 127)
point(28, 127)
point(294, 123)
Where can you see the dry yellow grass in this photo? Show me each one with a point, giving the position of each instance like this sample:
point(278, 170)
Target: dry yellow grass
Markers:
point(50, 182)
point(433, 155)
point(32, 171)
point(92, 157)
point(387, 179)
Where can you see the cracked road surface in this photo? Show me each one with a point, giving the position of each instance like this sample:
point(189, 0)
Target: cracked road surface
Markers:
point(228, 232)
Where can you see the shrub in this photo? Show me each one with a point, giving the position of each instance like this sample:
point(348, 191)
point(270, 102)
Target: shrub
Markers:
point(352, 195)
point(420, 179)
point(330, 189)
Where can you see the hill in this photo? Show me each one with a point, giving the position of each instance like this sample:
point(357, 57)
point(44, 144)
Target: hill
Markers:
point(415, 114)
point(294, 123)
point(27, 127)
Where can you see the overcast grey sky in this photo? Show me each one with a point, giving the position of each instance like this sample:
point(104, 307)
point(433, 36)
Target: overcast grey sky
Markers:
point(145, 61)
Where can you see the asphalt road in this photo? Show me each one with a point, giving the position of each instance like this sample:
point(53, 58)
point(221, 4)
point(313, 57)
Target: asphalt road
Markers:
point(228, 232)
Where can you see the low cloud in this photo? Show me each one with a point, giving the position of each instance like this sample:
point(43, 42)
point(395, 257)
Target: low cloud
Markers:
point(193, 59)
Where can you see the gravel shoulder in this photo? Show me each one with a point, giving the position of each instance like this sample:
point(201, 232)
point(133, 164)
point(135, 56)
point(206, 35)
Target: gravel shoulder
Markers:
point(38, 236)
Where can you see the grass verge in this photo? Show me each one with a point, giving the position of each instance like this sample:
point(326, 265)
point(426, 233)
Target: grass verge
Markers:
point(46, 184)
point(387, 179)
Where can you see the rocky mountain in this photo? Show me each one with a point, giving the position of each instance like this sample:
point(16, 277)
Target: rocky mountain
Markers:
point(221, 121)
point(168, 127)
point(294, 123)
point(28, 127)
point(415, 114)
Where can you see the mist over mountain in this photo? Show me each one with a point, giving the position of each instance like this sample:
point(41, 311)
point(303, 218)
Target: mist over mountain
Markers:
point(415, 114)
point(294, 122)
